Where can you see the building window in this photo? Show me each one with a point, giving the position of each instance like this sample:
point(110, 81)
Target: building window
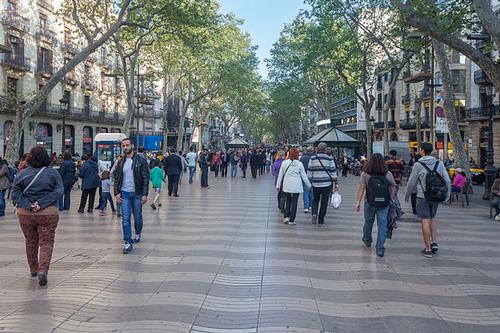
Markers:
point(86, 72)
point(43, 22)
point(86, 103)
point(45, 60)
point(458, 80)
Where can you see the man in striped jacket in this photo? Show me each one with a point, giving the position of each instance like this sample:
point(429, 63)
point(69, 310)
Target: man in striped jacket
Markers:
point(322, 173)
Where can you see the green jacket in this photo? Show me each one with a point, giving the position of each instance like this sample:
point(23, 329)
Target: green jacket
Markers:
point(157, 177)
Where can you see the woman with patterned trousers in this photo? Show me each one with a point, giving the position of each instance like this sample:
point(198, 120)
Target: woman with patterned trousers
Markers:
point(36, 191)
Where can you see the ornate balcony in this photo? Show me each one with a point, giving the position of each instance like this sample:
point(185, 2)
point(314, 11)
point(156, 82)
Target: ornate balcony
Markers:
point(481, 78)
point(481, 113)
point(44, 70)
point(88, 84)
point(17, 63)
point(380, 125)
point(46, 35)
point(70, 79)
point(13, 20)
point(47, 4)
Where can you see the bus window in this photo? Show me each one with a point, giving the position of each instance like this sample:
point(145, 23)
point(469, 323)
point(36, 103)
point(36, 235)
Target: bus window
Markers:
point(117, 150)
point(104, 152)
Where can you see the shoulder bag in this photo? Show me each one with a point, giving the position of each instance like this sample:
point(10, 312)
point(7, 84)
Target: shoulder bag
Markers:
point(29, 185)
point(281, 194)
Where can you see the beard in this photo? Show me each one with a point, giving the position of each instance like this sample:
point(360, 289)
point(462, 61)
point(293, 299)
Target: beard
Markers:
point(127, 150)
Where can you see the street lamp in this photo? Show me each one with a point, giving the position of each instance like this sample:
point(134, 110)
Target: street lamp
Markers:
point(372, 124)
point(489, 170)
point(64, 105)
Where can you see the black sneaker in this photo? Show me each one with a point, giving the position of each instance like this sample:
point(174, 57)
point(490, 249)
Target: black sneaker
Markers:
point(34, 274)
point(42, 279)
point(427, 253)
point(159, 204)
point(81, 211)
point(434, 248)
point(314, 219)
point(153, 206)
point(367, 243)
point(380, 253)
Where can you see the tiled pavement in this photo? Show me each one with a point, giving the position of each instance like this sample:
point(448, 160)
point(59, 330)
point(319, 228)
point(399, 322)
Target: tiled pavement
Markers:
point(221, 261)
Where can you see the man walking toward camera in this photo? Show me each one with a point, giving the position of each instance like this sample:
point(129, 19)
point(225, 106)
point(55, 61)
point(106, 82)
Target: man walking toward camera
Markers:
point(131, 186)
point(430, 180)
point(172, 164)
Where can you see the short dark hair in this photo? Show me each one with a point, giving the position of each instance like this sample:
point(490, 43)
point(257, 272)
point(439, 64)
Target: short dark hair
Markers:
point(67, 156)
point(393, 153)
point(426, 147)
point(38, 157)
point(191, 148)
point(376, 166)
point(85, 157)
point(126, 139)
point(140, 149)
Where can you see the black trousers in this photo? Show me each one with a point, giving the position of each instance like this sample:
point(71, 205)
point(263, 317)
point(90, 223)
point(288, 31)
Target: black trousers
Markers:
point(204, 177)
point(262, 169)
point(254, 171)
point(173, 184)
point(321, 196)
point(90, 194)
point(291, 205)
point(223, 169)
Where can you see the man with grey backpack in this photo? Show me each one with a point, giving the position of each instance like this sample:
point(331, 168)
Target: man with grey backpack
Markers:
point(432, 183)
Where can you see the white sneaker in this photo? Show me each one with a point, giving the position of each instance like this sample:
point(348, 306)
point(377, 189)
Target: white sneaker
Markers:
point(292, 223)
point(497, 218)
point(306, 211)
point(286, 220)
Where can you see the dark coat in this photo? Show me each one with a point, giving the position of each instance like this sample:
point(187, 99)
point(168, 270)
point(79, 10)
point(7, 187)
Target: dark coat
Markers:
point(67, 172)
point(172, 165)
point(141, 175)
point(225, 158)
point(89, 173)
point(255, 160)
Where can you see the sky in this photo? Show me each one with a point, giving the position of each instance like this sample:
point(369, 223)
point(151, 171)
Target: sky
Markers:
point(264, 20)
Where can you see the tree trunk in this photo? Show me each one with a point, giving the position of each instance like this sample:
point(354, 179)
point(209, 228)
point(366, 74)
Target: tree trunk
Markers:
point(129, 77)
point(165, 112)
point(180, 131)
point(459, 154)
point(369, 130)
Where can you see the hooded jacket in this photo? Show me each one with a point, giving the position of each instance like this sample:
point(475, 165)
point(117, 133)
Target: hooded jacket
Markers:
point(418, 174)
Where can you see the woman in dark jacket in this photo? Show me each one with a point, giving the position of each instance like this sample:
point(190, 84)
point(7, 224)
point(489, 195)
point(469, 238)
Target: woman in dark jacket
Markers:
point(36, 191)
point(67, 172)
point(90, 182)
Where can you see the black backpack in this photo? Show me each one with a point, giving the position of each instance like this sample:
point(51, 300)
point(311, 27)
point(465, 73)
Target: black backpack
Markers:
point(435, 189)
point(377, 192)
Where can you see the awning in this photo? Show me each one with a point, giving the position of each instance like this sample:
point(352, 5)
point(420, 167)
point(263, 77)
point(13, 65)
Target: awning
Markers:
point(237, 143)
point(334, 137)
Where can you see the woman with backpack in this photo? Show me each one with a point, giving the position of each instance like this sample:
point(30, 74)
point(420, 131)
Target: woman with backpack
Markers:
point(290, 178)
point(379, 186)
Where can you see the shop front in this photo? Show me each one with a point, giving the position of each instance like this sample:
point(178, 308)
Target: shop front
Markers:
point(69, 139)
point(88, 136)
point(44, 136)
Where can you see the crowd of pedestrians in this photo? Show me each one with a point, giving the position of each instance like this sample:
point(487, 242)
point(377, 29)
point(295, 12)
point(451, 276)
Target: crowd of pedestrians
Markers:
point(41, 187)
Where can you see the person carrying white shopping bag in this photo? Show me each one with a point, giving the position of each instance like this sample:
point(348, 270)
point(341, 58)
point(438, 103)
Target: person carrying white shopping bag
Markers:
point(322, 173)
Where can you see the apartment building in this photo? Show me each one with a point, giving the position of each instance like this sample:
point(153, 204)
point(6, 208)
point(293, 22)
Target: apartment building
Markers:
point(90, 99)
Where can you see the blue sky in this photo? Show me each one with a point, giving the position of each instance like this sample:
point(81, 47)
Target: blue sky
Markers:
point(264, 20)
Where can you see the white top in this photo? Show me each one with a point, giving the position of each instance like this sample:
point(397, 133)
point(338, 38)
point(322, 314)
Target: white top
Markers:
point(191, 158)
point(294, 176)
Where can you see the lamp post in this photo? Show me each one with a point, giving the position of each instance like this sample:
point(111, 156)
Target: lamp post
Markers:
point(372, 124)
point(489, 169)
point(64, 105)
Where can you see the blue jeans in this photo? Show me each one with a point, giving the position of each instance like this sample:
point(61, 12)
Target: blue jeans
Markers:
point(64, 201)
point(234, 170)
point(307, 197)
point(106, 197)
point(192, 171)
point(2, 202)
point(131, 205)
point(370, 213)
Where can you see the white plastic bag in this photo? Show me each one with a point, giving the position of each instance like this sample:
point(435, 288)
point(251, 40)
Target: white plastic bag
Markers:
point(336, 200)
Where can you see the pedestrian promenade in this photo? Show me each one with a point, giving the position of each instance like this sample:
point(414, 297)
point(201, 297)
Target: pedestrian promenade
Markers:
point(220, 260)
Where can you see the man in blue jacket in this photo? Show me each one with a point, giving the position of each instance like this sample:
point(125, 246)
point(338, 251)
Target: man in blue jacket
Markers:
point(90, 182)
point(67, 172)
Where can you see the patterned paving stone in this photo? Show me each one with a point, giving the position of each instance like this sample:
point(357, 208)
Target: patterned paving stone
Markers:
point(222, 262)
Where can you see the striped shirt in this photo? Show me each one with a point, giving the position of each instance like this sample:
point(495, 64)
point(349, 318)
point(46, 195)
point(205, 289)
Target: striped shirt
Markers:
point(317, 174)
